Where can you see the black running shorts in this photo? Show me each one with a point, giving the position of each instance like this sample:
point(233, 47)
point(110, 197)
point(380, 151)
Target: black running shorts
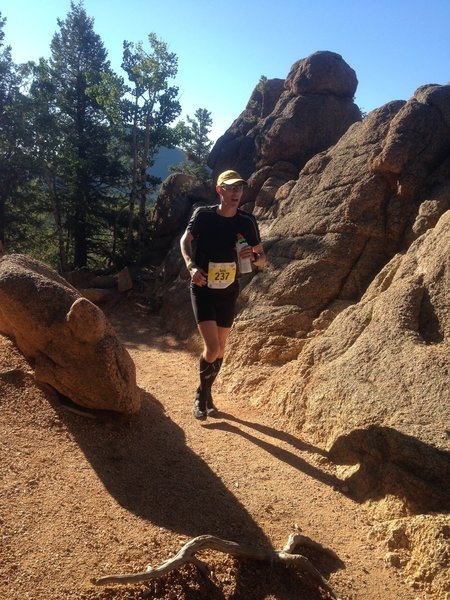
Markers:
point(214, 305)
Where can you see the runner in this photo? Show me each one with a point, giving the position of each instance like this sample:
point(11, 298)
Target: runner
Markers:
point(209, 250)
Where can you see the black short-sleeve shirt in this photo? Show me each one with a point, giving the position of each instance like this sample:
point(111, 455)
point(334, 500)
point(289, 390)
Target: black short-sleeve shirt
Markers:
point(216, 235)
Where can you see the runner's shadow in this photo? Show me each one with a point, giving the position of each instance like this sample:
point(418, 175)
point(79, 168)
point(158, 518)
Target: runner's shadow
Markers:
point(283, 436)
point(145, 464)
point(288, 457)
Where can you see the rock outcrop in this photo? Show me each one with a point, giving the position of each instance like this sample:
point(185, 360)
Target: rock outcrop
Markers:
point(178, 194)
point(287, 123)
point(68, 340)
point(351, 211)
point(345, 335)
point(352, 208)
point(420, 547)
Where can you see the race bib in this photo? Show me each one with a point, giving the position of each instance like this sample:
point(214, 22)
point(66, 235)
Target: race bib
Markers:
point(221, 275)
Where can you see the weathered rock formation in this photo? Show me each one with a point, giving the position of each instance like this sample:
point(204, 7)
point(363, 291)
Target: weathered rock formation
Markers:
point(374, 387)
point(178, 194)
point(287, 123)
point(350, 211)
point(343, 237)
point(345, 335)
point(68, 340)
point(420, 546)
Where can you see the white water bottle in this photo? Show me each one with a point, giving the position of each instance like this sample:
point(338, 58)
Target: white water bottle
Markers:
point(245, 264)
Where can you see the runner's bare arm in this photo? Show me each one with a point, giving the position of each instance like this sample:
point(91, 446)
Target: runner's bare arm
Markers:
point(198, 276)
point(186, 248)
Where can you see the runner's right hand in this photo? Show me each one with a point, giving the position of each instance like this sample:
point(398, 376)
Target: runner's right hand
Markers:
point(199, 277)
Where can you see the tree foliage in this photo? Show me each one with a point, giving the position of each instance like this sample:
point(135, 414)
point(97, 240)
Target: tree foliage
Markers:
point(86, 168)
point(153, 106)
point(15, 144)
point(194, 140)
point(77, 142)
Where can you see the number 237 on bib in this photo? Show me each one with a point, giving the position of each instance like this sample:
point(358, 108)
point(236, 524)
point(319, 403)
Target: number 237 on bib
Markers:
point(221, 275)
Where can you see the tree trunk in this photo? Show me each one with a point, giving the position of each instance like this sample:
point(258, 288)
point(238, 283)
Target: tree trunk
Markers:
point(2, 224)
point(50, 181)
point(79, 227)
point(134, 179)
point(143, 188)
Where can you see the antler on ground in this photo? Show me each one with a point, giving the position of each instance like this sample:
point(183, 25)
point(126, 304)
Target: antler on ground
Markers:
point(210, 542)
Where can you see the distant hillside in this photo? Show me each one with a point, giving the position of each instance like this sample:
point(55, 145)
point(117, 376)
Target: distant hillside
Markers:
point(164, 159)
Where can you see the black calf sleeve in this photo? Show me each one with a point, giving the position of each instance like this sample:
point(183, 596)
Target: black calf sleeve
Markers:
point(207, 373)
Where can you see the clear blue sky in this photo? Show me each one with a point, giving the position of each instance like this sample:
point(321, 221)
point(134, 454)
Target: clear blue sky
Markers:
point(223, 47)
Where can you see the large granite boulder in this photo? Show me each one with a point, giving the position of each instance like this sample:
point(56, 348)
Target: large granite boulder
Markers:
point(236, 147)
point(284, 124)
point(347, 328)
point(374, 387)
point(172, 209)
point(346, 334)
point(68, 340)
point(351, 210)
point(178, 194)
point(322, 73)
point(310, 112)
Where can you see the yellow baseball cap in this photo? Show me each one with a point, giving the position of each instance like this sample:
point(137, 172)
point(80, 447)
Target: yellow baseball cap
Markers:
point(230, 178)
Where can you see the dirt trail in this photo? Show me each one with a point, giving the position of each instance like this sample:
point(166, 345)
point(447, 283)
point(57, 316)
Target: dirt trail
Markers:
point(84, 497)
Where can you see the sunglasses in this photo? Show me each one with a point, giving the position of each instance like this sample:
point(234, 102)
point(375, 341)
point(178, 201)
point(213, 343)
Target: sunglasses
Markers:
point(236, 187)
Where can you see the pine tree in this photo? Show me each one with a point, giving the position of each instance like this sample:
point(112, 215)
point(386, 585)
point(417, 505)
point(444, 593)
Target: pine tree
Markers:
point(85, 169)
point(196, 144)
point(154, 106)
point(15, 163)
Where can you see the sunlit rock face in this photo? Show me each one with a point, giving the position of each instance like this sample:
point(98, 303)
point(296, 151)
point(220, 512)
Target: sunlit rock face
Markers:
point(67, 339)
point(345, 333)
point(286, 123)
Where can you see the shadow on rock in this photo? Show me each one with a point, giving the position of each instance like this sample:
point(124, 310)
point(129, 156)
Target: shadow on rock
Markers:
point(397, 464)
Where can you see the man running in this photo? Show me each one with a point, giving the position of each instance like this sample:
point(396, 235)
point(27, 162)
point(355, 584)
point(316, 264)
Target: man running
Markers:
point(213, 232)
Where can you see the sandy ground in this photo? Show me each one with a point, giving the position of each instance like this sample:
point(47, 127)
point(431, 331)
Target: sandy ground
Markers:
point(82, 497)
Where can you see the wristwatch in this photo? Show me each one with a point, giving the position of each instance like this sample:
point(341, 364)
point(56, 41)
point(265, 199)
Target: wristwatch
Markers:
point(190, 265)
